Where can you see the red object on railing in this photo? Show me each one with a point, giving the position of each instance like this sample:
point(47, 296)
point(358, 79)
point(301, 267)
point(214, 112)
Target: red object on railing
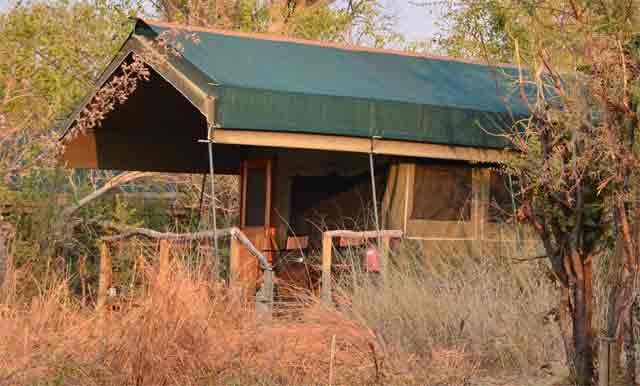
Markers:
point(372, 259)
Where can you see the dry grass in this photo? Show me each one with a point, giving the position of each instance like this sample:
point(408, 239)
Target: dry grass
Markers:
point(493, 313)
point(425, 327)
point(185, 333)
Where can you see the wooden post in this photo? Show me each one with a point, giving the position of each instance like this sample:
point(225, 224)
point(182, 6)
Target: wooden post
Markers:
point(384, 257)
point(82, 274)
point(164, 261)
point(604, 358)
point(104, 282)
point(234, 261)
point(327, 250)
point(4, 252)
point(264, 297)
point(142, 264)
point(234, 268)
point(216, 268)
point(7, 283)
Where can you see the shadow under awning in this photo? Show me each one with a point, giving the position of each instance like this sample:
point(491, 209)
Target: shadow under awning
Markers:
point(155, 129)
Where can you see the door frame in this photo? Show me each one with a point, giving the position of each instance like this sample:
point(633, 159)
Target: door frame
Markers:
point(266, 163)
point(244, 266)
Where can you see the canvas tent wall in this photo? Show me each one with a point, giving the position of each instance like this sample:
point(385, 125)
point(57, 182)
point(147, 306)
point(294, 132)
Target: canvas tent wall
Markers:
point(458, 208)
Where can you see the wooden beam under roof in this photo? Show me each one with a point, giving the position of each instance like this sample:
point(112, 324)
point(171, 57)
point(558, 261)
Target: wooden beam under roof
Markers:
point(357, 145)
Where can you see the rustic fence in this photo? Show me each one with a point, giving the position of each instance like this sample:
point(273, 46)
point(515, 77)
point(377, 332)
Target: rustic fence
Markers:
point(264, 297)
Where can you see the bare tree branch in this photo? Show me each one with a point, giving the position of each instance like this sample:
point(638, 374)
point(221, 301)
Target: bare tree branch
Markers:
point(113, 183)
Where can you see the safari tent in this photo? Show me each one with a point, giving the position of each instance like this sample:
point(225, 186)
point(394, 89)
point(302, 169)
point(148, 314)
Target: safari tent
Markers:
point(324, 136)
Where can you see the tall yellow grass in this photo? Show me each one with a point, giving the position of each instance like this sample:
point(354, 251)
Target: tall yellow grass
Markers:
point(494, 312)
point(418, 327)
point(182, 333)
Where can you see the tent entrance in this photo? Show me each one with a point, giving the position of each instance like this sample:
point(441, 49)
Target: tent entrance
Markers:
point(256, 180)
point(255, 221)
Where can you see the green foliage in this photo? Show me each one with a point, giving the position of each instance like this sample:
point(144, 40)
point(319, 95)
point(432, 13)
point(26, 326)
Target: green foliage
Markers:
point(124, 214)
point(478, 29)
point(50, 54)
point(321, 23)
point(360, 21)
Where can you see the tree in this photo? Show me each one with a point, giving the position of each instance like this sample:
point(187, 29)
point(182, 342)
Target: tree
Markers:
point(45, 68)
point(577, 153)
point(355, 21)
point(477, 29)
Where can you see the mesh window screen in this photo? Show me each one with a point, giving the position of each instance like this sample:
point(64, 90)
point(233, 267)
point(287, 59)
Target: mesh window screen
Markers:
point(500, 204)
point(256, 197)
point(442, 193)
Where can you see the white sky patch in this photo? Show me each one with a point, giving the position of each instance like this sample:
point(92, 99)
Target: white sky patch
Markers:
point(416, 22)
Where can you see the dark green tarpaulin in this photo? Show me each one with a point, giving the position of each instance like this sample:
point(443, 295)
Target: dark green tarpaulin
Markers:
point(273, 85)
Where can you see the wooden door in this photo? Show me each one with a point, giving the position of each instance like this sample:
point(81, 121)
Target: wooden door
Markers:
point(255, 223)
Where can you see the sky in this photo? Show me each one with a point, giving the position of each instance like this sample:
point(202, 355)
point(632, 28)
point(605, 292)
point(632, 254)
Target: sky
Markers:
point(414, 22)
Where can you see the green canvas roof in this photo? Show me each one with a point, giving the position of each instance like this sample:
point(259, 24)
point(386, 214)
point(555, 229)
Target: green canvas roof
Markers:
point(272, 84)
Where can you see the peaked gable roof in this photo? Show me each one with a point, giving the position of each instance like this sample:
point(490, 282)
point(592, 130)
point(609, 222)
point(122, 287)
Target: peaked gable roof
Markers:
point(263, 82)
point(275, 63)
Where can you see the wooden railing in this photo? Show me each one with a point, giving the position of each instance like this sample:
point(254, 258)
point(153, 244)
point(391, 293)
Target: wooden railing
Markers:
point(264, 298)
point(384, 237)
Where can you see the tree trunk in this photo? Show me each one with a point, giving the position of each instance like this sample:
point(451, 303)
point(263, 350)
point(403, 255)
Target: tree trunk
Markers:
point(635, 351)
point(629, 337)
point(583, 334)
point(621, 324)
point(614, 278)
point(575, 318)
point(566, 329)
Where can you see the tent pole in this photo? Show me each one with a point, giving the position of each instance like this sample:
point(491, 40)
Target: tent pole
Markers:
point(204, 182)
point(373, 190)
point(213, 192)
point(514, 208)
